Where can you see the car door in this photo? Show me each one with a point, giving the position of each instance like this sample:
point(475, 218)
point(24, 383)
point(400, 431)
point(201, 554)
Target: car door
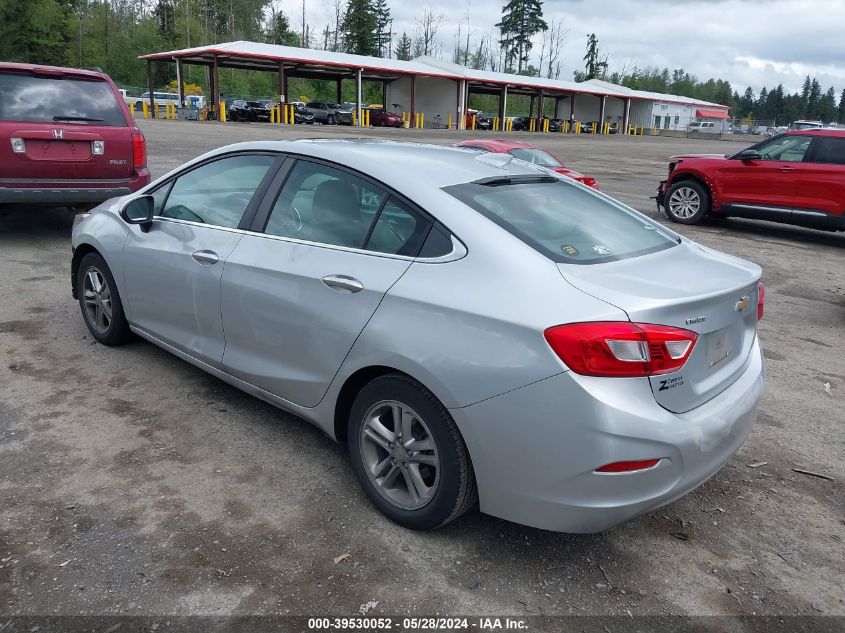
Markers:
point(820, 179)
point(172, 270)
point(768, 183)
point(318, 109)
point(297, 295)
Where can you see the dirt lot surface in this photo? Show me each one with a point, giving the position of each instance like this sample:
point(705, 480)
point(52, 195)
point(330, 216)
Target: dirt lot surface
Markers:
point(133, 483)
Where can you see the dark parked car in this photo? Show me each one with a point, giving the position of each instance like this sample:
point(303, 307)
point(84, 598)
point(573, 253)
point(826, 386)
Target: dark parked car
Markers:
point(242, 110)
point(73, 142)
point(302, 115)
point(794, 178)
point(379, 117)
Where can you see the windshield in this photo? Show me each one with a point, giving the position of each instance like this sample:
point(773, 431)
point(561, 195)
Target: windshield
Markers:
point(536, 157)
point(562, 220)
point(59, 99)
point(254, 104)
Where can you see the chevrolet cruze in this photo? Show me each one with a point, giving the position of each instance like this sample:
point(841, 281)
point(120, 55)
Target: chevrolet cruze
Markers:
point(480, 331)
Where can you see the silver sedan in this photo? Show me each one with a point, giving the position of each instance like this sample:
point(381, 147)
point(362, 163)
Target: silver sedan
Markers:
point(478, 330)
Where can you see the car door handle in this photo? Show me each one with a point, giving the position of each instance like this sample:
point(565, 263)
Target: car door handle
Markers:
point(786, 168)
point(205, 257)
point(343, 283)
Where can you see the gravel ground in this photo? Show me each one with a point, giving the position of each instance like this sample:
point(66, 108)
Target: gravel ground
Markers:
point(133, 483)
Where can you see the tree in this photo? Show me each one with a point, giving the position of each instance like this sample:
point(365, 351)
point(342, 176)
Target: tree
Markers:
point(594, 65)
point(403, 47)
point(842, 107)
point(384, 24)
point(359, 28)
point(427, 25)
point(827, 107)
point(278, 29)
point(521, 21)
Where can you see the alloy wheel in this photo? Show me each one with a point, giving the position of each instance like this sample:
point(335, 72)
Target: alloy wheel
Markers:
point(399, 455)
point(684, 202)
point(97, 300)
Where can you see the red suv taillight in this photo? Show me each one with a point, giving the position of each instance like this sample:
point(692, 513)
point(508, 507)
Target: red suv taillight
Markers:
point(590, 182)
point(139, 150)
point(620, 348)
point(761, 300)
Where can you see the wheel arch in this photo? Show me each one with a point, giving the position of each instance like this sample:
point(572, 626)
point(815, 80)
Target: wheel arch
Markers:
point(697, 178)
point(79, 252)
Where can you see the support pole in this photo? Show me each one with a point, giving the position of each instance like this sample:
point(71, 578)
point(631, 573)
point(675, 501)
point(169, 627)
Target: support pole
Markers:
point(413, 97)
point(503, 106)
point(283, 97)
point(339, 90)
point(601, 112)
point(531, 108)
point(540, 98)
point(150, 86)
point(572, 107)
point(384, 96)
point(627, 115)
point(358, 97)
point(181, 86)
point(215, 81)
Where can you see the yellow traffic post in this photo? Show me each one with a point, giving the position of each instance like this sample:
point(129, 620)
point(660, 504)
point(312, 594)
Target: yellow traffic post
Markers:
point(146, 108)
point(272, 114)
point(155, 110)
point(132, 109)
point(472, 126)
point(366, 118)
point(545, 125)
point(577, 127)
point(422, 119)
point(449, 122)
point(222, 116)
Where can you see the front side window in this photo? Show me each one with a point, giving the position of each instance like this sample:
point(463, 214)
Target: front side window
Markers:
point(217, 193)
point(829, 150)
point(41, 98)
point(789, 148)
point(563, 221)
point(323, 204)
point(535, 157)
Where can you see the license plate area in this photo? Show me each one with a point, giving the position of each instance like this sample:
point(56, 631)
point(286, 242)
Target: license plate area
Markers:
point(718, 347)
point(45, 149)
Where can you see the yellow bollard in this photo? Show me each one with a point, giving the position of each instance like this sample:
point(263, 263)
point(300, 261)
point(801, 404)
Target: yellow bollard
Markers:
point(146, 108)
point(155, 110)
point(132, 109)
point(272, 114)
point(546, 125)
point(422, 119)
point(449, 122)
point(222, 112)
point(366, 118)
point(577, 127)
point(354, 117)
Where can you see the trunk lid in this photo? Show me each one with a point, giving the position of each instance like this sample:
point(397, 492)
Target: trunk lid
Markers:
point(690, 287)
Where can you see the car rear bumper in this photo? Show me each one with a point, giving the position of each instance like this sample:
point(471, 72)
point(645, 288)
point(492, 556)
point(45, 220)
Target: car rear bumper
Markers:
point(70, 192)
point(535, 450)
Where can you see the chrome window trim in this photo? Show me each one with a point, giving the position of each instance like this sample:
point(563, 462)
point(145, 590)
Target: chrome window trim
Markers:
point(458, 249)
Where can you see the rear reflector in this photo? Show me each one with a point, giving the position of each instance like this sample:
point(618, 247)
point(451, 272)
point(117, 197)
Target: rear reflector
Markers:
point(761, 300)
point(139, 150)
point(628, 467)
point(620, 348)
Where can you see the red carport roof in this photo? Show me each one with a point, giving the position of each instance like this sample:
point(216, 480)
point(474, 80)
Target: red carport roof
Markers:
point(711, 114)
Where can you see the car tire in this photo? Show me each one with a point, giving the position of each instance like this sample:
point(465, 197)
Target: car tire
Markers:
point(100, 301)
point(330, 120)
point(687, 202)
point(420, 489)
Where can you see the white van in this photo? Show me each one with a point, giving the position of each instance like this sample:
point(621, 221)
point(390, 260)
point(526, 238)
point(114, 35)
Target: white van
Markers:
point(705, 127)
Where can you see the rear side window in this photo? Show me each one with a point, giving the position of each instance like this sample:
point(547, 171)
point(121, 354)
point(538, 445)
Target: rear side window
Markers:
point(399, 230)
point(40, 99)
point(562, 220)
point(536, 157)
point(829, 150)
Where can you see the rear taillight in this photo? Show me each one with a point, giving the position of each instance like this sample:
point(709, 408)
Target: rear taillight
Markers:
point(590, 182)
point(620, 348)
point(139, 150)
point(761, 300)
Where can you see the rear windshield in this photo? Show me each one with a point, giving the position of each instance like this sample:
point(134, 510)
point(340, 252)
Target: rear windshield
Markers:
point(59, 99)
point(535, 156)
point(562, 220)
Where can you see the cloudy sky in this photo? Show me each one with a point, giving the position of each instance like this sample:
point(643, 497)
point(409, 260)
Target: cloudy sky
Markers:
point(748, 42)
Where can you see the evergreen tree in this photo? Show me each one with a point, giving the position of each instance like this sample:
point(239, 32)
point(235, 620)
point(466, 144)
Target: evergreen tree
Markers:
point(814, 99)
point(403, 47)
point(521, 21)
point(594, 65)
point(827, 106)
point(359, 28)
point(842, 107)
point(383, 26)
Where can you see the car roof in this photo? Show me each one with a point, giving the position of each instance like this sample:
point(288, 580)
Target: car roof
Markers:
point(53, 70)
point(399, 164)
point(498, 145)
point(818, 132)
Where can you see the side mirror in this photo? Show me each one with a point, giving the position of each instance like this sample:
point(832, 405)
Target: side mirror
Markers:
point(140, 211)
point(748, 154)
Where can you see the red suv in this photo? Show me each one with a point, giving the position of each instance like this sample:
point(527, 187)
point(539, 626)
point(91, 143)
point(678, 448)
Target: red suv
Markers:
point(795, 178)
point(66, 137)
